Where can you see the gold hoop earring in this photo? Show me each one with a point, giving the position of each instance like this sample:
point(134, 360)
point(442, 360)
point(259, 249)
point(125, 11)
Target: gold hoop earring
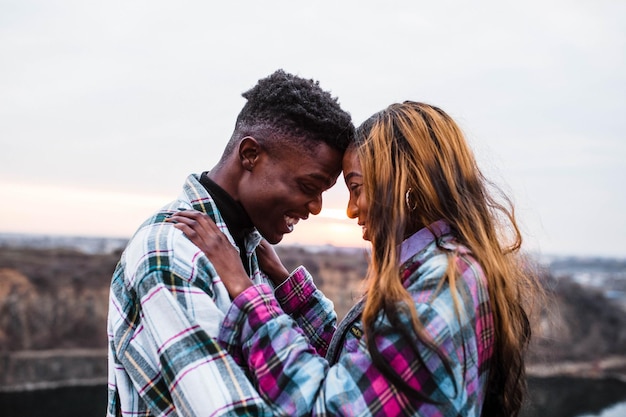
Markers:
point(407, 199)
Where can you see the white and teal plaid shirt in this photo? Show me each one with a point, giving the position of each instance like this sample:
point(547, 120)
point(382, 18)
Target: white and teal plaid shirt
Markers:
point(165, 310)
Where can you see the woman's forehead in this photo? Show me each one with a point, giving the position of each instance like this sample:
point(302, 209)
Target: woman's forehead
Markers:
point(351, 164)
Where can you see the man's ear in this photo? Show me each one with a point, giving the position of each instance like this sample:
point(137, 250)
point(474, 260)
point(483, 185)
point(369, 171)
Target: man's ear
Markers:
point(249, 151)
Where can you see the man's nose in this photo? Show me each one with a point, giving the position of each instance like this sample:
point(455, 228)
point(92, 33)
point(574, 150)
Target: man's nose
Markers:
point(315, 206)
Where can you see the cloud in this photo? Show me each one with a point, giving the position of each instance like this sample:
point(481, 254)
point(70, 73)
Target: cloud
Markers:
point(130, 97)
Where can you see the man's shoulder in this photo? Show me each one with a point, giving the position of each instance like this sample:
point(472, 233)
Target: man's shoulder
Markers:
point(160, 248)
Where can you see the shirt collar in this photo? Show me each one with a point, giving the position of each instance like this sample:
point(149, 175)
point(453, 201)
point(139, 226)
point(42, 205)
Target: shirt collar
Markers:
point(236, 219)
point(422, 238)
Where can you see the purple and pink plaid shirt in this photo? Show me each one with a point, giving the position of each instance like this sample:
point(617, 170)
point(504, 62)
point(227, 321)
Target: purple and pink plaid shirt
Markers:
point(171, 327)
point(295, 379)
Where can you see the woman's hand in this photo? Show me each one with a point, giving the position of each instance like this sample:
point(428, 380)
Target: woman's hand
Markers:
point(270, 263)
point(205, 234)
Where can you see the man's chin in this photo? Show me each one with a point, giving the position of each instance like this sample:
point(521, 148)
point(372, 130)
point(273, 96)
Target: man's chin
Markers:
point(273, 239)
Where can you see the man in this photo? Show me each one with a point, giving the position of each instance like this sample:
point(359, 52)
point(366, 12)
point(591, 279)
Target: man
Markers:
point(166, 301)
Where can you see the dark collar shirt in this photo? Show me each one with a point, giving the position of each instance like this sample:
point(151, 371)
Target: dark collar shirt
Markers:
point(237, 220)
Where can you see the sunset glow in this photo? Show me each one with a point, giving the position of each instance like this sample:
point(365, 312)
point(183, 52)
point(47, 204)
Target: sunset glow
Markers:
point(58, 210)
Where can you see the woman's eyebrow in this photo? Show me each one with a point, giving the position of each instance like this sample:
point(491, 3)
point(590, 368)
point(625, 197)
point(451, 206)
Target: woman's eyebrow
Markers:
point(352, 174)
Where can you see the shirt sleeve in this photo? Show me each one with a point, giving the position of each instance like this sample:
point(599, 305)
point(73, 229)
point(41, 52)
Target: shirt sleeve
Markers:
point(290, 374)
point(175, 364)
point(309, 307)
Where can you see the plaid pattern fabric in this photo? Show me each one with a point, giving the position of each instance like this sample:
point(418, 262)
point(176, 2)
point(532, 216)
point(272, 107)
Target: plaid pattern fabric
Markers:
point(165, 309)
point(289, 373)
point(312, 311)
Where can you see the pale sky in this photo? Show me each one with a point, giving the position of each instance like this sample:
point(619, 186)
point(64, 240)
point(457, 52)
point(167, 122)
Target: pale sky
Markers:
point(107, 106)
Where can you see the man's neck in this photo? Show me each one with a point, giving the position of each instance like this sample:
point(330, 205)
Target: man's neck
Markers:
point(236, 219)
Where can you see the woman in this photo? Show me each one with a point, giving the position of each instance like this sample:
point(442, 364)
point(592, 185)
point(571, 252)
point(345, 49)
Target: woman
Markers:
point(441, 330)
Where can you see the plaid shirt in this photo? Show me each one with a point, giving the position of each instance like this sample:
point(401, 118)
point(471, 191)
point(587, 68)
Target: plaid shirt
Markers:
point(165, 310)
point(297, 381)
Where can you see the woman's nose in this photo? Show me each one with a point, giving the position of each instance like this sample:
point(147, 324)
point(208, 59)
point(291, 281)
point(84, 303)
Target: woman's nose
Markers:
point(352, 210)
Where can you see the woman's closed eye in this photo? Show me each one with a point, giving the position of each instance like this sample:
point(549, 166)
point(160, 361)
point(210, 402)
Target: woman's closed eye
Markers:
point(355, 188)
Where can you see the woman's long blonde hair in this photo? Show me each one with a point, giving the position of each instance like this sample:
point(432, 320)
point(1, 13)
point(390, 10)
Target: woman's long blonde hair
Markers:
point(418, 149)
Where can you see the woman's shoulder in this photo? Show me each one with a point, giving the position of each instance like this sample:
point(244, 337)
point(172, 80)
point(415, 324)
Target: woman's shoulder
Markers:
point(424, 273)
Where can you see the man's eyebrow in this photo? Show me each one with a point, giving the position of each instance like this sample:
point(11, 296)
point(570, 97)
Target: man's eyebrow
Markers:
point(326, 180)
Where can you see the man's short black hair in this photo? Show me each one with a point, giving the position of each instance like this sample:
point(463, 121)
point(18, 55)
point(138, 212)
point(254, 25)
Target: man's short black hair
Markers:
point(291, 106)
